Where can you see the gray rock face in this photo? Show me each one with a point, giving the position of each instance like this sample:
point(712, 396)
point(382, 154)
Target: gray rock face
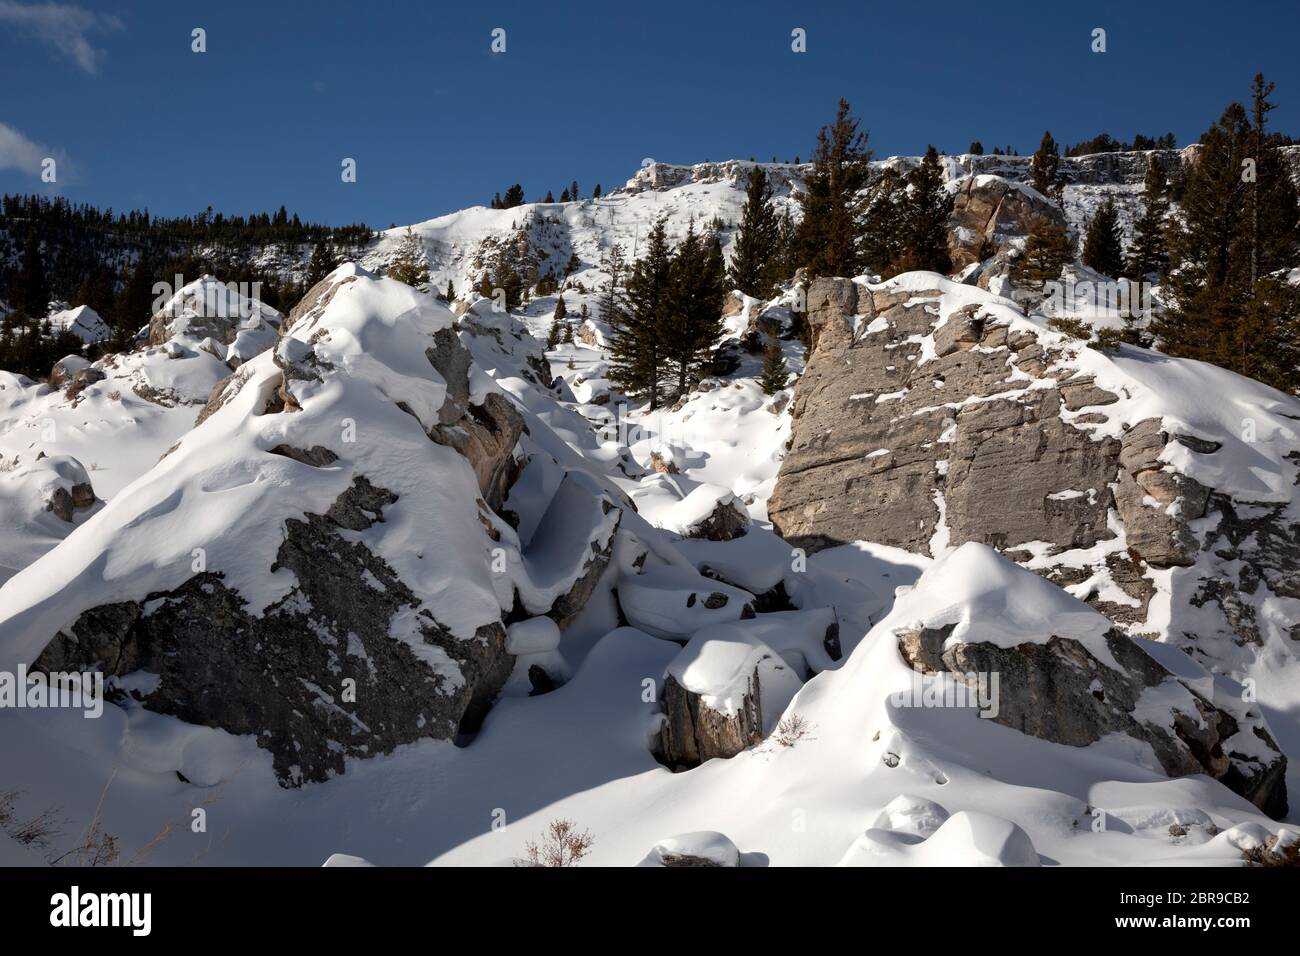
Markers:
point(882, 441)
point(879, 440)
point(987, 213)
point(1059, 691)
point(285, 676)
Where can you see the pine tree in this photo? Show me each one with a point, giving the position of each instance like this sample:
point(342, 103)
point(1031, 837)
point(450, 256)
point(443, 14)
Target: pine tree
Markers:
point(561, 311)
point(564, 196)
point(977, 148)
point(1148, 255)
point(133, 306)
point(691, 325)
point(514, 197)
point(595, 193)
point(611, 297)
point(756, 239)
point(1047, 250)
point(553, 334)
point(1045, 168)
point(549, 198)
point(775, 373)
point(32, 285)
point(573, 191)
point(1103, 248)
point(322, 263)
point(885, 223)
point(927, 207)
point(451, 291)
point(834, 199)
point(636, 347)
point(409, 265)
point(1226, 301)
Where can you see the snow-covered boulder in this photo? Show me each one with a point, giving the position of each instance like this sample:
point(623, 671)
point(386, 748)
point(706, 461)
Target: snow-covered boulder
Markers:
point(710, 512)
point(310, 565)
point(539, 665)
point(723, 693)
point(1050, 666)
point(83, 322)
point(216, 316)
point(967, 838)
point(674, 602)
point(40, 501)
point(702, 848)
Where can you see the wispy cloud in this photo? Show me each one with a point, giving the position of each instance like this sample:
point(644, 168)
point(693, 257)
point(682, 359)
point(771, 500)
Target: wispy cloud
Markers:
point(62, 27)
point(20, 153)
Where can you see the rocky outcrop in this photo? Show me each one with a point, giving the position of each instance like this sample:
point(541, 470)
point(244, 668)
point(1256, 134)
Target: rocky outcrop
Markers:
point(317, 678)
point(1057, 689)
point(930, 415)
point(989, 212)
point(336, 599)
point(882, 441)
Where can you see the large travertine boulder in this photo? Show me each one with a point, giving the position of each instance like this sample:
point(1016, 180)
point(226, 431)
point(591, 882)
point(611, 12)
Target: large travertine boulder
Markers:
point(320, 562)
point(988, 213)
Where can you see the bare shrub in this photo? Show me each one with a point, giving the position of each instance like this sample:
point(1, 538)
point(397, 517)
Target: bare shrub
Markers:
point(39, 831)
point(560, 845)
point(792, 729)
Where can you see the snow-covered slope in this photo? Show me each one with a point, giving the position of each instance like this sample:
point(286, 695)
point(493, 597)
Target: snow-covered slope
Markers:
point(571, 550)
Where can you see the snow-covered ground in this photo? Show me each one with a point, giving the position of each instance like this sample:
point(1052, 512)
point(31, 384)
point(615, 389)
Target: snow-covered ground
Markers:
point(867, 778)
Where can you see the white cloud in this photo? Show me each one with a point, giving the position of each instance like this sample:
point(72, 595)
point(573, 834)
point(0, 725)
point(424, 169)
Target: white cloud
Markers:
point(62, 27)
point(20, 153)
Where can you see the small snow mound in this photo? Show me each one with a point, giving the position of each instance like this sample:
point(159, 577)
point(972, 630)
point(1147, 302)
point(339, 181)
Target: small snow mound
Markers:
point(700, 848)
point(914, 815)
point(537, 635)
point(346, 859)
point(973, 838)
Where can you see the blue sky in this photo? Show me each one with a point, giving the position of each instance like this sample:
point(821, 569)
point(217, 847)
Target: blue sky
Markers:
point(436, 121)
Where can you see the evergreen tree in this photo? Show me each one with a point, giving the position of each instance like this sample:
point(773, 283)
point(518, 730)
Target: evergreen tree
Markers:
point(564, 196)
point(977, 148)
point(775, 373)
point(691, 325)
point(636, 347)
point(611, 297)
point(834, 199)
point(1148, 255)
point(561, 311)
point(1226, 301)
point(451, 291)
point(1045, 168)
point(927, 207)
point(409, 266)
point(756, 239)
point(595, 193)
point(885, 224)
point(133, 306)
point(514, 197)
point(573, 191)
point(322, 263)
point(550, 198)
point(1047, 250)
point(33, 287)
point(1103, 247)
